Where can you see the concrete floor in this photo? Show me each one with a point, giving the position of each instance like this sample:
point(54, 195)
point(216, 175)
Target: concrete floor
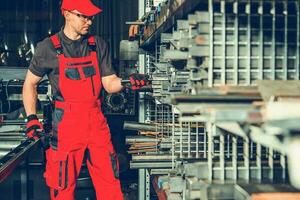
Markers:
point(10, 189)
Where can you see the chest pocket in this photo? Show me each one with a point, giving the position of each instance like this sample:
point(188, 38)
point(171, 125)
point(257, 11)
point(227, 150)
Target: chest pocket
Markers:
point(72, 73)
point(89, 71)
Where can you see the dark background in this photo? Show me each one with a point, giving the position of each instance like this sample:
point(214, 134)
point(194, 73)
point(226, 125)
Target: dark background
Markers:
point(38, 18)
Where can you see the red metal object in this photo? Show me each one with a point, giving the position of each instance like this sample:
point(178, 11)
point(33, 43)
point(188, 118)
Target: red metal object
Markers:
point(161, 195)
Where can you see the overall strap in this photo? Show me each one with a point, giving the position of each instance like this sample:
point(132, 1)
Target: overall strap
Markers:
point(56, 43)
point(92, 43)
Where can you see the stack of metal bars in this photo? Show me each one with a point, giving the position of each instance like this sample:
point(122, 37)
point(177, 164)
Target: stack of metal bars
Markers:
point(230, 157)
point(9, 142)
point(253, 40)
point(10, 137)
point(186, 139)
point(160, 115)
point(190, 142)
point(249, 41)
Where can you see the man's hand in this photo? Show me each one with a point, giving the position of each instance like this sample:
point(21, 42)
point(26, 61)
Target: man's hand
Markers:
point(34, 127)
point(138, 80)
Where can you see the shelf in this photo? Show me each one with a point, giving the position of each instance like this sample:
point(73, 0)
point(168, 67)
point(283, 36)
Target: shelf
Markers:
point(176, 9)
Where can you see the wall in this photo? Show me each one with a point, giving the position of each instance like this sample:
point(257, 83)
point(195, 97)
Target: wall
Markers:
point(29, 21)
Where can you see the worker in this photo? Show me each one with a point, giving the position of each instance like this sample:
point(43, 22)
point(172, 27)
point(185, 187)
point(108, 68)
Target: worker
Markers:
point(78, 65)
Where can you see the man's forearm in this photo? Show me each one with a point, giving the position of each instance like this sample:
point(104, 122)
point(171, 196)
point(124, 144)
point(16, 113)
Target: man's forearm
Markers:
point(112, 84)
point(29, 98)
point(116, 86)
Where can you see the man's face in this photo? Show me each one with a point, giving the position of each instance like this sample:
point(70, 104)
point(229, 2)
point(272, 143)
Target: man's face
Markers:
point(79, 23)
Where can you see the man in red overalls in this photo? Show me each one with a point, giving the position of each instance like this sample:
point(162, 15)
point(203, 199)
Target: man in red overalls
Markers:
point(78, 66)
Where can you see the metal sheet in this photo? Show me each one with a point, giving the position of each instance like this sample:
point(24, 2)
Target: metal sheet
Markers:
point(271, 89)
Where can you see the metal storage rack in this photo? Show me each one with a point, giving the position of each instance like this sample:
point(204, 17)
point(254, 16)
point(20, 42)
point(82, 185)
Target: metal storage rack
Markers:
point(253, 40)
point(233, 43)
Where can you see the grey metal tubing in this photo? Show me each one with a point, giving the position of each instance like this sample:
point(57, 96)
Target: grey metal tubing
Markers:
point(3, 151)
point(151, 165)
point(156, 158)
point(134, 139)
point(9, 144)
point(139, 126)
point(13, 122)
point(135, 126)
point(13, 158)
point(11, 138)
point(2, 154)
point(11, 133)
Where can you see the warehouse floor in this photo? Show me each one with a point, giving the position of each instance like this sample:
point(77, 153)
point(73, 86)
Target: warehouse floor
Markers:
point(10, 189)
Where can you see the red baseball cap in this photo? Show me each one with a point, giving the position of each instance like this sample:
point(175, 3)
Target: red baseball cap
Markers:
point(85, 7)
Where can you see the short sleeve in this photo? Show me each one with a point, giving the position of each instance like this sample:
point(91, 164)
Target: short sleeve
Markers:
point(104, 58)
point(42, 59)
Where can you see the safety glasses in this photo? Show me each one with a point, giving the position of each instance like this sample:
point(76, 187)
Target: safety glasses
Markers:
point(83, 17)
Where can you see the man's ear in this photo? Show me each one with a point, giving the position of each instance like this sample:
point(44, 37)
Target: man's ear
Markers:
point(66, 14)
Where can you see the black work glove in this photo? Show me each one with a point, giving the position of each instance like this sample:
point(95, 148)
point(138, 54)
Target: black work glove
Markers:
point(34, 128)
point(138, 80)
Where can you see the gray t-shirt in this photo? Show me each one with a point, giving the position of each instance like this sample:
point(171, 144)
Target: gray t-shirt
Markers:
point(45, 62)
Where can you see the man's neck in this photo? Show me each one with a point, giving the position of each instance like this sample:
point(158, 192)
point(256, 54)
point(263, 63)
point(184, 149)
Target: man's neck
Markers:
point(70, 33)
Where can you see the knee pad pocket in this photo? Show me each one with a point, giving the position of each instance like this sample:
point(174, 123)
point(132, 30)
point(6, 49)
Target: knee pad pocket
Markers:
point(56, 173)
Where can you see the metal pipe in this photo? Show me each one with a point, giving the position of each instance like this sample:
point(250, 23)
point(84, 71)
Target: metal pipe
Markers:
point(134, 126)
point(10, 133)
point(11, 138)
point(13, 122)
point(134, 139)
point(12, 159)
point(3, 152)
point(9, 144)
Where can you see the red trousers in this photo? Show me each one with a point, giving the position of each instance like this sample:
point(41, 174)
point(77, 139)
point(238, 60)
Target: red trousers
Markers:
point(74, 138)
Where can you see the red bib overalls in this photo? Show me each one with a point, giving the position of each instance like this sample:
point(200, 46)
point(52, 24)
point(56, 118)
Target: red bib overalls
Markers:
point(80, 128)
